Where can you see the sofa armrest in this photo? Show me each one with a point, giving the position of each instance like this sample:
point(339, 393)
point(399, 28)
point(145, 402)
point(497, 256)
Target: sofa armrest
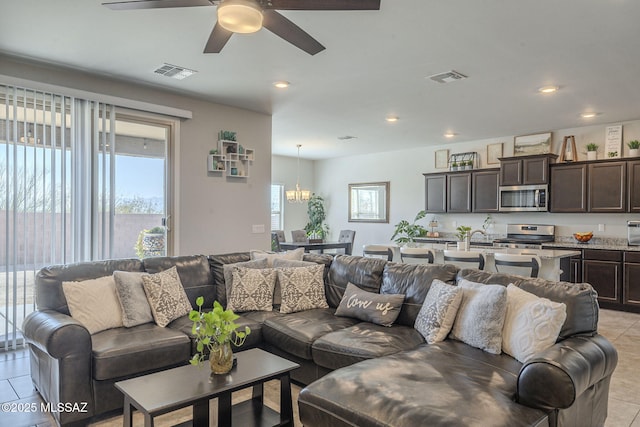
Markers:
point(554, 378)
point(57, 334)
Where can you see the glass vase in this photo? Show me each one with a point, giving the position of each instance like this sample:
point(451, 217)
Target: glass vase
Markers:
point(221, 358)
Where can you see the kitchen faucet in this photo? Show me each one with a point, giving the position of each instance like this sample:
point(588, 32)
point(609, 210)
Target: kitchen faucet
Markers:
point(467, 238)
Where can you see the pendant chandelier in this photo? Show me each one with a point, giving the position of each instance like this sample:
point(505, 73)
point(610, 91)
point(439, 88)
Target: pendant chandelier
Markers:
point(297, 195)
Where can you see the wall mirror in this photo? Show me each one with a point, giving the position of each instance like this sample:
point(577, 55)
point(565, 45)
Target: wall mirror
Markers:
point(369, 202)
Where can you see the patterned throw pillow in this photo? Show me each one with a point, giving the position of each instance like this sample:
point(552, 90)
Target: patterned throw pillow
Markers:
point(133, 300)
point(438, 312)
point(302, 288)
point(252, 289)
point(166, 296)
point(381, 309)
point(94, 303)
point(532, 324)
point(296, 254)
point(227, 270)
point(480, 317)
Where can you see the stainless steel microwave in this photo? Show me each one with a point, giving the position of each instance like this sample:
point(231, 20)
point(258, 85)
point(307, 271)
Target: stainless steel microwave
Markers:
point(524, 198)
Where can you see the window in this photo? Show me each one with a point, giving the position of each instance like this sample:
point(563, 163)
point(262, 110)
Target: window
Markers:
point(277, 220)
point(369, 202)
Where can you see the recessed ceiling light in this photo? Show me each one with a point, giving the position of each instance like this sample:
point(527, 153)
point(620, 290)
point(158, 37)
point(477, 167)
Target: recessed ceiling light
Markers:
point(392, 119)
point(548, 89)
point(282, 84)
point(589, 115)
point(450, 134)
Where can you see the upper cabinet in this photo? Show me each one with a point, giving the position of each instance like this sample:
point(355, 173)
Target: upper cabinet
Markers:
point(459, 192)
point(526, 170)
point(568, 189)
point(484, 193)
point(633, 186)
point(608, 187)
point(435, 189)
point(462, 192)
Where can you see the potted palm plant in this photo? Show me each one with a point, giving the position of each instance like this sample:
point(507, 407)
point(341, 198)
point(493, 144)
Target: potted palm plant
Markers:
point(406, 232)
point(214, 332)
point(316, 228)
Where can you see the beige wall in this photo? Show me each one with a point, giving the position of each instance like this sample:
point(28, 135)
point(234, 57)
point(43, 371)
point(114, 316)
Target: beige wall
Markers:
point(214, 214)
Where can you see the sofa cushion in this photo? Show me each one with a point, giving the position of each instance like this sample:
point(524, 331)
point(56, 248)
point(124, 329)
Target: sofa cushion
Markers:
point(166, 296)
point(133, 300)
point(302, 288)
point(194, 272)
point(295, 333)
point(251, 289)
point(366, 273)
point(94, 303)
point(443, 384)
point(480, 316)
point(362, 341)
point(436, 317)
point(580, 298)
point(121, 352)
point(531, 324)
point(370, 307)
point(413, 280)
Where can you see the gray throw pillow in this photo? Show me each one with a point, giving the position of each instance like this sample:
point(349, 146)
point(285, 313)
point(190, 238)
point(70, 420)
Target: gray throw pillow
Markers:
point(438, 312)
point(133, 300)
point(166, 296)
point(227, 271)
point(286, 263)
point(252, 289)
point(302, 288)
point(481, 316)
point(381, 309)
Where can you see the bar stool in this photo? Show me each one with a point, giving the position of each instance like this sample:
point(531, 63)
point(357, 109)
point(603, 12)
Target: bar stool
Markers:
point(416, 255)
point(522, 265)
point(377, 251)
point(464, 259)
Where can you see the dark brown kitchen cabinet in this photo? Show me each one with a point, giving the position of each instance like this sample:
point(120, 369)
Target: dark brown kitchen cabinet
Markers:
point(435, 187)
point(608, 187)
point(631, 292)
point(459, 192)
point(633, 186)
point(568, 188)
point(603, 270)
point(485, 190)
point(526, 170)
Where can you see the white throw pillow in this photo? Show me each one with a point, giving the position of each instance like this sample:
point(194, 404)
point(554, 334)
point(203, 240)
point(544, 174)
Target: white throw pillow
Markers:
point(480, 317)
point(532, 324)
point(94, 303)
point(438, 312)
point(296, 254)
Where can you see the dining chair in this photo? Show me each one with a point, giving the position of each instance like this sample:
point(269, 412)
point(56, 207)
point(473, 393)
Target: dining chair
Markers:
point(298, 236)
point(345, 236)
point(280, 234)
point(522, 265)
point(464, 259)
point(416, 255)
point(377, 251)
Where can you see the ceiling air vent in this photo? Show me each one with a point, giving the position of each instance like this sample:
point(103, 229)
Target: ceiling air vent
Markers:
point(449, 76)
point(174, 71)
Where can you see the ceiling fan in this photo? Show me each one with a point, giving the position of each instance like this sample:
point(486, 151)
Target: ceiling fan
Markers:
point(248, 16)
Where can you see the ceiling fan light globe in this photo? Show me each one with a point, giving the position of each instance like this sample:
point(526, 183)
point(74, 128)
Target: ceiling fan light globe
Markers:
point(240, 16)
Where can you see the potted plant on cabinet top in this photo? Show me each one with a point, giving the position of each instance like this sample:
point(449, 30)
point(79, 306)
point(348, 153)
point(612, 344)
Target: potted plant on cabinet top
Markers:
point(592, 151)
point(461, 234)
point(215, 331)
point(316, 228)
point(633, 147)
point(405, 232)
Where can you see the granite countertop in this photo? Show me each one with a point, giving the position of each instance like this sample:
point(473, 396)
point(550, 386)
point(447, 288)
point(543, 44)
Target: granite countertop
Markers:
point(489, 250)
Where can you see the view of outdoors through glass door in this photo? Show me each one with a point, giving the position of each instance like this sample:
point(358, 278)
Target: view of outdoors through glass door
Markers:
point(72, 190)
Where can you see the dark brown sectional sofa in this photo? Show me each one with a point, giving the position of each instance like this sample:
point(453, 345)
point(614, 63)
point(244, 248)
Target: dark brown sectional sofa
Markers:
point(356, 373)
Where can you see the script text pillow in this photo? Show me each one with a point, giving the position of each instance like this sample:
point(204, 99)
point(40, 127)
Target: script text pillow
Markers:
point(532, 324)
point(133, 301)
point(480, 316)
point(381, 309)
point(94, 303)
point(252, 289)
point(166, 296)
point(296, 254)
point(438, 312)
point(302, 288)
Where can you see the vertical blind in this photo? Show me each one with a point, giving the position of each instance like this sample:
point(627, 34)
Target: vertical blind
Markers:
point(57, 159)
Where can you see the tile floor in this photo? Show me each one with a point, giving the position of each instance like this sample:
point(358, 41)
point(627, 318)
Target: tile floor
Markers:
point(623, 329)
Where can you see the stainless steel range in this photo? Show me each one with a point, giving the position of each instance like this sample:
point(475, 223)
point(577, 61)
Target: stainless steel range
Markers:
point(527, 236)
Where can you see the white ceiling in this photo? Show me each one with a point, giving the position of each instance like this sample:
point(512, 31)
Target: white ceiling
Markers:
point(375, 64)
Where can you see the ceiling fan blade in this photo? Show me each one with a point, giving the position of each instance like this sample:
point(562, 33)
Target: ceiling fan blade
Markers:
point(282, 27)
point(324, 4)
point(155, 4)
point(218, 38)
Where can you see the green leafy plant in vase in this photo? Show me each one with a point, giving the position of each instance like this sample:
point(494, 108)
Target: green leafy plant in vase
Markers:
point(214, 332)
point(406, 232)
point(592, 151)
point(461, 232)
point(633, 147)
point(316, 228)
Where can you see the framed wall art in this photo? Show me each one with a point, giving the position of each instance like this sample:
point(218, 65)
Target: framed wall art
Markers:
point(494, 152)
point(369, 202)
point(526, 145)
point(442, 159)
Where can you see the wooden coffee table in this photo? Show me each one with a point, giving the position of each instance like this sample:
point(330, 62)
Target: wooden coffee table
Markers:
point(166, 391)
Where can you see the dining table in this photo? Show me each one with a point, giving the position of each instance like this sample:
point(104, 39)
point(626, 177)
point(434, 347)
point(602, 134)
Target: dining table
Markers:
point(317, 246)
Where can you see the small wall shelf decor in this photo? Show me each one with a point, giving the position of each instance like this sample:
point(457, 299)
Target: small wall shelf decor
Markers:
point(463, 161)
point(231, 158)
